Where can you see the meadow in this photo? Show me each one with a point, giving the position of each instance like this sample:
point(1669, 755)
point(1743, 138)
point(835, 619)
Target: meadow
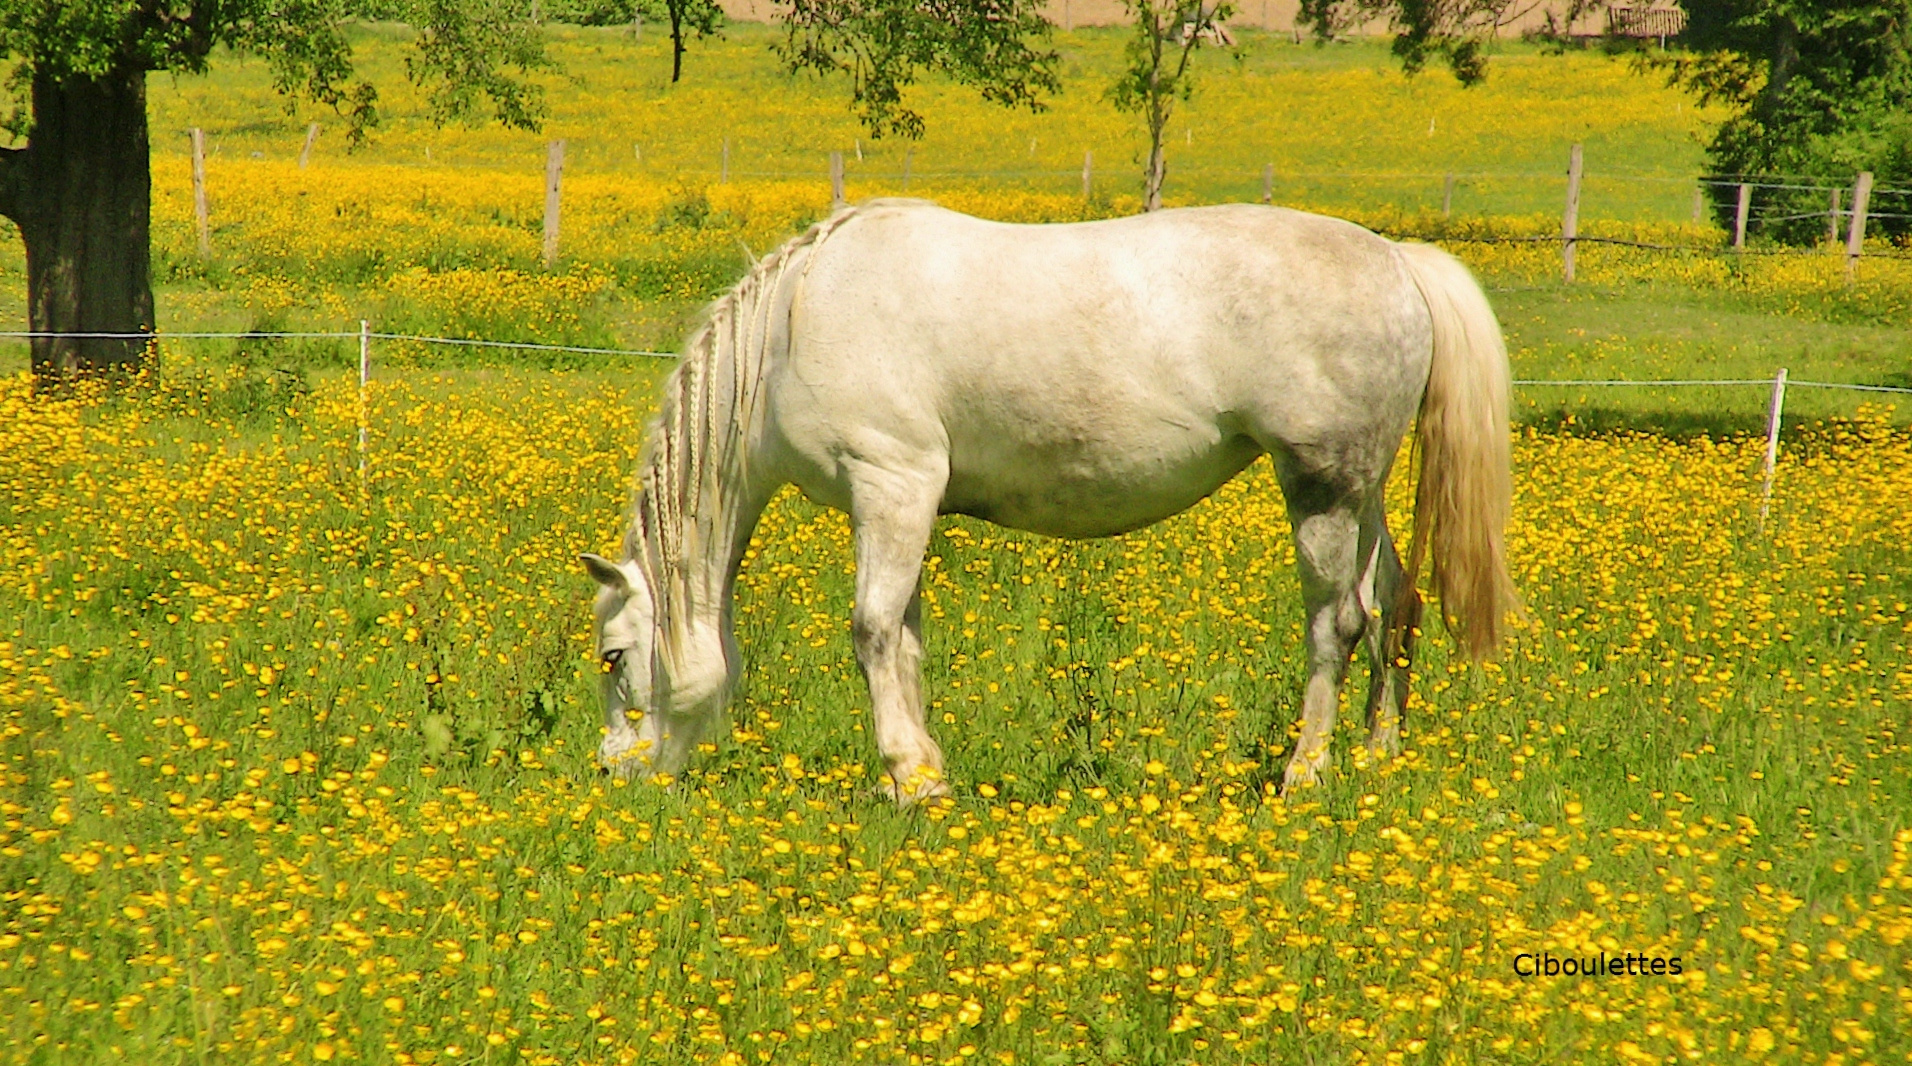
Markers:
point(298, 768)
point(295, 760)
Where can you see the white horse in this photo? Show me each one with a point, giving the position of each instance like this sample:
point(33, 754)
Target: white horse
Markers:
point(899, 361)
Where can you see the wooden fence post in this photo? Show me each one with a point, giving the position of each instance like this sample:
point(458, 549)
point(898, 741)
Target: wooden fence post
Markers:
point(723, 173)
point(1856, 233)
point(1772, 444)
point(1699, 204)
point(1447, 197)
point(311, 138)
point(837, 202)
point(1268, 184)
point(1088, 173)
point(553, 200)
point(199, 193)
point(1570, 222)
point(1740, 213)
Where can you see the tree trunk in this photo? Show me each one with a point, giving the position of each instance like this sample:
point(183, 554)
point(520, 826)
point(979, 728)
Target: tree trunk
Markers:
point(81, 193)
point(1157, 174)
point(676, 9)
point(1779, 71)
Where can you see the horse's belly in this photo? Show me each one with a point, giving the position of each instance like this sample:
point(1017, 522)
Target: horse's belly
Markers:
point(1088, 492)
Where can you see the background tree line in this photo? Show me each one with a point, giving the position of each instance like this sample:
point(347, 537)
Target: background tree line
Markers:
point(1815, 89)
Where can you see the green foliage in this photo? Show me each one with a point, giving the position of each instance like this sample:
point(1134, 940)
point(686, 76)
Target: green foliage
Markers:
point(686, 18)
point(994, 46)
point(1453, 30)
point(1817, 90)
point(468, 55)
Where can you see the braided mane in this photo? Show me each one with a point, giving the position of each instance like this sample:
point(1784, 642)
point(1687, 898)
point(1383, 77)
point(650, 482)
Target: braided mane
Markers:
point(692, 470)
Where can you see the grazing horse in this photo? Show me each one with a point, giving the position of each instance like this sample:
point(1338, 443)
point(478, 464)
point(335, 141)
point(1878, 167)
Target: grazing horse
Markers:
point(899, 361)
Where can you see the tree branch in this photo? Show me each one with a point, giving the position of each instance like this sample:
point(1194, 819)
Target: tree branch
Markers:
point(12, 170)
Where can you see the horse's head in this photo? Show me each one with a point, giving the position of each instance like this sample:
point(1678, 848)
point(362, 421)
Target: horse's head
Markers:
point(674, 706)
point(626, 636)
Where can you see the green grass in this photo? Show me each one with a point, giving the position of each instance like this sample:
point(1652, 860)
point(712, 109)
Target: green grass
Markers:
point(1561, 333)
point(394, 847)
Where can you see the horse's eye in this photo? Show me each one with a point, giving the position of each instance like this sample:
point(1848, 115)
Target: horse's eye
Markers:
point(613, 657)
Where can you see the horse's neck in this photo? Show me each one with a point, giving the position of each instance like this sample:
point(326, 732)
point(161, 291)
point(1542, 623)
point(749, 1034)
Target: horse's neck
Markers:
point(713, 567)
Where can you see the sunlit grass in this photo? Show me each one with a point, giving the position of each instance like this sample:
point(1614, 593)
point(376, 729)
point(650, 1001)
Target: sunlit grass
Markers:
point(296, 767)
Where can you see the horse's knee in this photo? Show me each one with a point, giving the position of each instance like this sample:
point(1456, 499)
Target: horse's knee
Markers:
point(1351, 621)
point(875, 638)
point(1337, 629)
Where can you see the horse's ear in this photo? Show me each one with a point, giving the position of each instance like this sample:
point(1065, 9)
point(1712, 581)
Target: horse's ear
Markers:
point(606, 573)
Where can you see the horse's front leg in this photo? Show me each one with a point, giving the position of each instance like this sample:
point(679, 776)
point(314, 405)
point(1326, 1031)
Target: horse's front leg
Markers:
point(892, 522)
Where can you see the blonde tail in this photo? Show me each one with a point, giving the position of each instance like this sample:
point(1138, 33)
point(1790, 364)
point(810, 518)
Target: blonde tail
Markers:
point(1466, 487)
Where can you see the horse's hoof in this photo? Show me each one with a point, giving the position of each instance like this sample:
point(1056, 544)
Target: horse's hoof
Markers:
point(1298, 776)
point(921, 786)
point(618, 769)
point(623, 764)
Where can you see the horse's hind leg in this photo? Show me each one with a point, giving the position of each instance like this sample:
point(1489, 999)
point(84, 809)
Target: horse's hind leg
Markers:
point(1327, 530)
point(1386, 589)
point(892, 515)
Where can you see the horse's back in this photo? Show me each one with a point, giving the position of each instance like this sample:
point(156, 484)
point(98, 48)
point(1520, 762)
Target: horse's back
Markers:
point(1049, 365)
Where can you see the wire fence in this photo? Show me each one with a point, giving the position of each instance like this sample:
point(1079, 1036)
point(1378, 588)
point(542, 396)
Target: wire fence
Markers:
point(1686, 249)
point(1766, 204)
point(1770, 195)
point(355, 335)
point(1787, 208)
point(365, 336)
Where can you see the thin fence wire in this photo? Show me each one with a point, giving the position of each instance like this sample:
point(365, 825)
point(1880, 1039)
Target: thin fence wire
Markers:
point(466, 342)
point(1765, 383)
point(865, 172)
point(354, 335)
point(1685, 249)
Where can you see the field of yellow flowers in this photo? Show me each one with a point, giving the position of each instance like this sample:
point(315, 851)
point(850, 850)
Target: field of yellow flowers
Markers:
point(1339, 124)
point(294, 767)
point(294, 754)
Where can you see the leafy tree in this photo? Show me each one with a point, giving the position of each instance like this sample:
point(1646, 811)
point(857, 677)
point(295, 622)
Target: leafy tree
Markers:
point(1452, 30)
point(1167, 33)
point(1818, 90)
point(687, 18)
point(994, 46)
point(80, 189)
